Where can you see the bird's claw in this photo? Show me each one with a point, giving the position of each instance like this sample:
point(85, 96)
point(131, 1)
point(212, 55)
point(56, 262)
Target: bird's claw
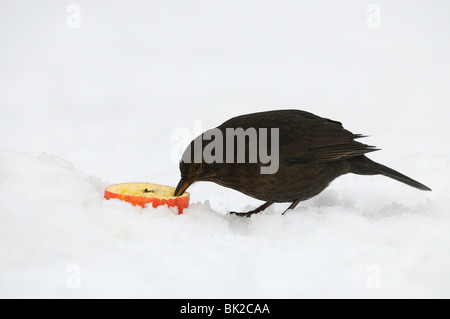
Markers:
point(241, 214)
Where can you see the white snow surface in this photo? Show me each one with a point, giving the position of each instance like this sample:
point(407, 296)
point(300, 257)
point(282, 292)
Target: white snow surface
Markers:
point(54, 216)
point(86, 108)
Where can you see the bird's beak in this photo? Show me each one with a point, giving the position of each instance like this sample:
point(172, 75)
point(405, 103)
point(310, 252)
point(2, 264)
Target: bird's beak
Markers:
point(183, 184)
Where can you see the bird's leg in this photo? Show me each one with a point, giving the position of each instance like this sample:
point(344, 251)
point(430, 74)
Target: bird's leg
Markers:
point(255, 211)
point(292, 206)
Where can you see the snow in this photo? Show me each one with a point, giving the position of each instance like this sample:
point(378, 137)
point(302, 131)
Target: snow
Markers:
point(86, 108)
point(54, 216)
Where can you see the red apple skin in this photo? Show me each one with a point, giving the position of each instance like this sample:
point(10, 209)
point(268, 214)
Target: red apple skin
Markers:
point(181, 202)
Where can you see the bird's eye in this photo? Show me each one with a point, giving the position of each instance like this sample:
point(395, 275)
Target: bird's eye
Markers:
point(197, 167)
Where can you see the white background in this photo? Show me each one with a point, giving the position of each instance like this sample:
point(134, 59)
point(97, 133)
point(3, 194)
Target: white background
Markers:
point(108, 96)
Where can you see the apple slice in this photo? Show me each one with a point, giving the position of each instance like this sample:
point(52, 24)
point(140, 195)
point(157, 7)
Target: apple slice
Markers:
point(143, 193)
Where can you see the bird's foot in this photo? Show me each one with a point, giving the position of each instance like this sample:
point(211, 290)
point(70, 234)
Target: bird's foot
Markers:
point(255, 211)
point(247, 214)
point(292, 206)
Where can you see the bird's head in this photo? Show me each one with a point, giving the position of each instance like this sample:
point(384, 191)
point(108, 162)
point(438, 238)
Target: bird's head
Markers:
point(192, 166)
point(190, 173)
point(198, 165)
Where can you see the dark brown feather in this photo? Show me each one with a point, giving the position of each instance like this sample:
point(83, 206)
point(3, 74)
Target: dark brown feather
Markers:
point(313, 151)
point(304, 136)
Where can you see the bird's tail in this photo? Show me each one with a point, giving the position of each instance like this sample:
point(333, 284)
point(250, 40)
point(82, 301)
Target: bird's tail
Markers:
point(362, 165)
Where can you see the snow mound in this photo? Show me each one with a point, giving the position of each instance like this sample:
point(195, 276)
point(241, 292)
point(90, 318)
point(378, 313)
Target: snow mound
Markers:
point(56, 229)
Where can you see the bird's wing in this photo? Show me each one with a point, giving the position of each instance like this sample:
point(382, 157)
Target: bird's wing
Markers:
point(321, 140)
point(332, 153)
point(305, 137)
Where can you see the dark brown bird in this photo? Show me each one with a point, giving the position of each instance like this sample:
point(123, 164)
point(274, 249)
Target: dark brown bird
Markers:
point(312, 152)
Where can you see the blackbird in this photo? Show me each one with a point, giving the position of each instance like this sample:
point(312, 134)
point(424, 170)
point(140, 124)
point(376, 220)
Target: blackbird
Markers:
point(312, 151)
